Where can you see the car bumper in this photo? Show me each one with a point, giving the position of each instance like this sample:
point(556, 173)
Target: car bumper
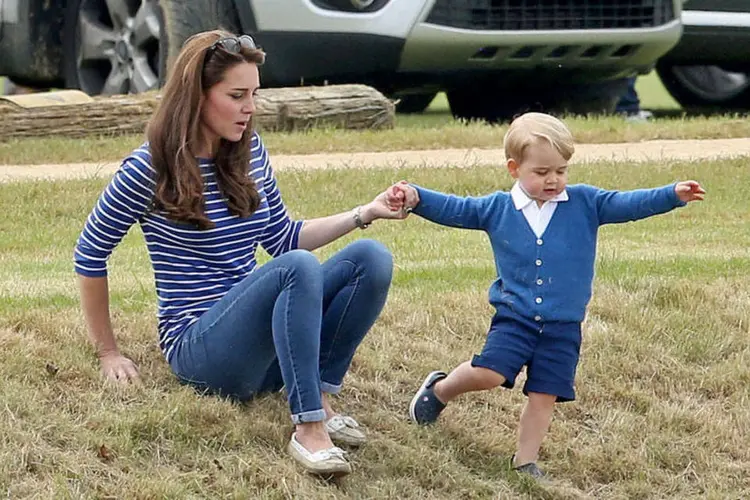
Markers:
point(438, 48)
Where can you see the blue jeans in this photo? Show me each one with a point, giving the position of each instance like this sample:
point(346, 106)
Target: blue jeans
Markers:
point(292, 323)
point(629, 102)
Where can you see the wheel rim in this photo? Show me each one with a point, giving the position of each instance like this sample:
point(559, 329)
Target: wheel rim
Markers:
point(117, 46)
point(712, 83)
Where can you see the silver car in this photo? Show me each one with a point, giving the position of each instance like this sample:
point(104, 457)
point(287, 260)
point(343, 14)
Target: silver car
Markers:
point(492, 57)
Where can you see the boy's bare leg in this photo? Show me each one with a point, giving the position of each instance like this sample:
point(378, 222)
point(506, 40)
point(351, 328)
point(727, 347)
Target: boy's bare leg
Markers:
point(466, 378)
point(535, 420)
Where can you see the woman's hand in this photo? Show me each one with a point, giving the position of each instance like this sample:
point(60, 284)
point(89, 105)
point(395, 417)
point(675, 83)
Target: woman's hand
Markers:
point(118, 368)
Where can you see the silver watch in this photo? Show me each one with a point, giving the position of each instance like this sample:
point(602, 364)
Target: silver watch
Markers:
point(358, 218)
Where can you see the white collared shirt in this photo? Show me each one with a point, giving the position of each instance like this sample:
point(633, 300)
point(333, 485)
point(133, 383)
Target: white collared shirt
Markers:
point(537, 217)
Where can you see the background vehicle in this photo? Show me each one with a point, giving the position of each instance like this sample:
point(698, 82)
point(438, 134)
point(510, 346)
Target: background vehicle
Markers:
point(492, 57)
point(710, 66)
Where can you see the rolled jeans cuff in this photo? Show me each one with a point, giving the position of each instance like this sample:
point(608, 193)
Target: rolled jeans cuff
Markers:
point(309, 416)
point(330, 388)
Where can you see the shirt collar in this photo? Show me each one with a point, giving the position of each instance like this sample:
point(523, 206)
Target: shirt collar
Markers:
point(521, 200)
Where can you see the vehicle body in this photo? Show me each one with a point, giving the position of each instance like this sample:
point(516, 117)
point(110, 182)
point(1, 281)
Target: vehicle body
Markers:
point(710, 66)
point(479, 51)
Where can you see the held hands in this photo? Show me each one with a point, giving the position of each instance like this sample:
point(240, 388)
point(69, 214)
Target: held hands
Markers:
point(118, 368)
point(394, 203)
point(688, 191)
point(402, 197)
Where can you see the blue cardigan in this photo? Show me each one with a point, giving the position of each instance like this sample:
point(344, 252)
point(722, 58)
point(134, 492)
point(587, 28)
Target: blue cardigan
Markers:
point(548, 278)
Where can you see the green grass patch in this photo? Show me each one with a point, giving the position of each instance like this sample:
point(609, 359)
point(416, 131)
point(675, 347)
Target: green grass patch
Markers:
point(662, 408)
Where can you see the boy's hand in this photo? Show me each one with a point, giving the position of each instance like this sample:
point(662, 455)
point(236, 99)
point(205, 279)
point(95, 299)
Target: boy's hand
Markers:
point(394, 203)
point(395, 198)
point(402, 197)
point(688, 191)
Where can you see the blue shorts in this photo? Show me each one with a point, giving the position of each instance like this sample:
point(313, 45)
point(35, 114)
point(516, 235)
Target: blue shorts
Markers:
point(549, 350)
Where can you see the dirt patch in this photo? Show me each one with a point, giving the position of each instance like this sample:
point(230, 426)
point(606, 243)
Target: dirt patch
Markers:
point(647, 151)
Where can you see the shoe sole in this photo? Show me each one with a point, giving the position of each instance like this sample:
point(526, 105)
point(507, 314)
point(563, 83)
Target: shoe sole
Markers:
point(414, 400)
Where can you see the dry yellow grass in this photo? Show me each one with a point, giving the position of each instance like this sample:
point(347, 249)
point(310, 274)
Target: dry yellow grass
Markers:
point(663, 406)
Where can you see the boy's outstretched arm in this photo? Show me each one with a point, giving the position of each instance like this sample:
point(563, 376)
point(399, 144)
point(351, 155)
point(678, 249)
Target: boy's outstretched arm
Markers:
point(448, 210)
point(623, 206)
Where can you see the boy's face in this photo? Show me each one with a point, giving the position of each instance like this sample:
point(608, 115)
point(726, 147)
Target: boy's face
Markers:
point(543, 173)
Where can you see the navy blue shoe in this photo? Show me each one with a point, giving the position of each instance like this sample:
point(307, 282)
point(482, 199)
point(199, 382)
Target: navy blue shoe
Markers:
point(530, 469)
point(425, 407)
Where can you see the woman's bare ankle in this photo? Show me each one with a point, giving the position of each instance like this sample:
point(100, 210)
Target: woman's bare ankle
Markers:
point(313, 436)
point(327, 406)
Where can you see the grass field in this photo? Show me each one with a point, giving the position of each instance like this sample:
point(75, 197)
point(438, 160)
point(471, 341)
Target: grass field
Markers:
point(662, 412)
point(434, 129)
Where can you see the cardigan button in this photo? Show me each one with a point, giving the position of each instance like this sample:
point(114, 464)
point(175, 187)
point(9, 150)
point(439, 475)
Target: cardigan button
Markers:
point(538, 300)
point(538, 262)
point(540, 242)
point(537, 318)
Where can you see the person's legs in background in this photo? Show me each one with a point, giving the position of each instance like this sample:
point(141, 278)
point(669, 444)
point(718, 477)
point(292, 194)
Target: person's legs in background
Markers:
point(630, 105)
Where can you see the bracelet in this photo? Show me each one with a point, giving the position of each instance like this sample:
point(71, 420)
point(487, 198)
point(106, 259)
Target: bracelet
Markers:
point(358, 218)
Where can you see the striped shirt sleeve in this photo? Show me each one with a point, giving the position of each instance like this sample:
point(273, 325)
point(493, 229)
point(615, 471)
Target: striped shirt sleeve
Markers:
point(282, 233)
point(120, 205)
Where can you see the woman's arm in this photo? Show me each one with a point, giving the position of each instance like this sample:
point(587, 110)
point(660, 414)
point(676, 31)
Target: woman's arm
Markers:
point(284, 234)
point(119, 206)
point(316, 233)
point(95, 305)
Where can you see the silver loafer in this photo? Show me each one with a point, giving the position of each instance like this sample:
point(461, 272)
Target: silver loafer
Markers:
point(328, 462)
point(345, 430)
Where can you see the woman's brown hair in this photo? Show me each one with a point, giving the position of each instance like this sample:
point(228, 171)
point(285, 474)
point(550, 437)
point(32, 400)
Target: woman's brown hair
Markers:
point(174, 133)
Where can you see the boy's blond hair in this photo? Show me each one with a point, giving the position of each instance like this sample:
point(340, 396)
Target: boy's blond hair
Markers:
point(529, 128)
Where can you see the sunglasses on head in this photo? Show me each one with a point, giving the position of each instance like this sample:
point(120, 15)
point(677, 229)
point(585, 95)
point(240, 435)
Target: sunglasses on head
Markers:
point(232, 44)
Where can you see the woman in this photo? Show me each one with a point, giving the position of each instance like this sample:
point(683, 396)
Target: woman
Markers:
point(204, 193)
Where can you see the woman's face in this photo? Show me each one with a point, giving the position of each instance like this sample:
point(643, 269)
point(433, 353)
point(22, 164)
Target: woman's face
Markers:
point(229, 104)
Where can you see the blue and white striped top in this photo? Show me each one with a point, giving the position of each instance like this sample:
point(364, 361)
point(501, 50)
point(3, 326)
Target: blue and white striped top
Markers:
point(193, 268)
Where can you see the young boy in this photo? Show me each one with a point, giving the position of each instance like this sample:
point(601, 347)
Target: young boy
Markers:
point(543, 235)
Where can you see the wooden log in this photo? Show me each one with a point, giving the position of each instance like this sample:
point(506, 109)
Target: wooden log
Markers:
point(281, 109)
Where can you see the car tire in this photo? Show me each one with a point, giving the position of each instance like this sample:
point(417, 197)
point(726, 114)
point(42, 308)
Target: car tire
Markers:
point(184, 18)
point(497, 105)
point(706, 87)
point(414, 103)
point(113, 47)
